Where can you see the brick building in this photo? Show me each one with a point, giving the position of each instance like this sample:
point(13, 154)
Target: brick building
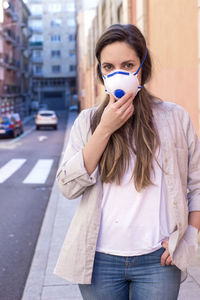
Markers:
point(13, 57)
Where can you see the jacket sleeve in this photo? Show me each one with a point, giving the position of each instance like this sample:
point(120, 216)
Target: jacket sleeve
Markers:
point(193, 179)
point(72, 176)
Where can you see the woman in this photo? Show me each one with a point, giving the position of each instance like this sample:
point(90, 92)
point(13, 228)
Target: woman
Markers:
point(135, 160)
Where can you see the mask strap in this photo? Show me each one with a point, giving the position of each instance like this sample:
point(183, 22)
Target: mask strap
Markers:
point(141, 63)
point(101, 71)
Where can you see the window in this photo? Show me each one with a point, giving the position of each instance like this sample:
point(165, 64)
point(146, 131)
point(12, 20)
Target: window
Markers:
point(35, 23)
point(56, 38)
point(56, 23)
point(71, 22)
point(38, 69)
point(70, 6)
point(72, 52)
point(55, 53)
point(54, 7)
point(37, 38)
point(36, 9)
point(72, 68)
point(72, 37)
point(37, 53)
point(56, 68)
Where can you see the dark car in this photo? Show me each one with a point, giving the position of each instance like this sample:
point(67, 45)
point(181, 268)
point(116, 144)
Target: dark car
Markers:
point(9, 126)
point(16, 116)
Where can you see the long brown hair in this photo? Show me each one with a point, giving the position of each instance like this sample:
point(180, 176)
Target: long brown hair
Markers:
point(138, 135)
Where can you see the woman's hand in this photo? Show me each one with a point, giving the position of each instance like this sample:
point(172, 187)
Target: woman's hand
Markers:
point(165, 258)
point(117, 113)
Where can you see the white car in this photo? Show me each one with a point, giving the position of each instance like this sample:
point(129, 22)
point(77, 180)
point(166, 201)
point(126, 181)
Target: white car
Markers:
point(46, 118)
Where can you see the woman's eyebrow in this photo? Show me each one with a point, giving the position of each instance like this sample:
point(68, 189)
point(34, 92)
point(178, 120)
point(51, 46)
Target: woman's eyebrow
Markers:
point(128, 61)
point(123, 62)
point(106, 63)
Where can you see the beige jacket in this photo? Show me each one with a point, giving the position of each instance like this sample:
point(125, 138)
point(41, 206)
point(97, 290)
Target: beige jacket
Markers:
point(181, 161)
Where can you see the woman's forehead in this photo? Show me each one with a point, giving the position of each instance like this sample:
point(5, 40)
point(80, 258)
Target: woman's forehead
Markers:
point(118, 52)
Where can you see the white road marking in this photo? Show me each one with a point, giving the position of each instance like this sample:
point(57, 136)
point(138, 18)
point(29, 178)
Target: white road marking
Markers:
point(40, 172)
point(42, 138)
point(14, 142)
point(11, 167)
point(22, 135)
point(9, 146)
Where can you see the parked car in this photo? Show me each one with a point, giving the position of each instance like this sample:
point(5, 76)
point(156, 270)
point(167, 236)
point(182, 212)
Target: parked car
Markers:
point(9, 126)
point(19, 121)
point(46, 118)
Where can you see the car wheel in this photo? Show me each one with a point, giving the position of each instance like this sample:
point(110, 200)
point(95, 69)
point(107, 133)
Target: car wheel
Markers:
point(37, 127)
point(55, 127)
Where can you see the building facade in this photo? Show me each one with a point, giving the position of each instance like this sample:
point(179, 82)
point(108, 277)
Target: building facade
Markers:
point(13, 46)
point(53, 46)
point(172, 33)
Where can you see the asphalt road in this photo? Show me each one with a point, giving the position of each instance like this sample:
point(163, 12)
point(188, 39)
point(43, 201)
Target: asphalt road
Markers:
point(28, 165)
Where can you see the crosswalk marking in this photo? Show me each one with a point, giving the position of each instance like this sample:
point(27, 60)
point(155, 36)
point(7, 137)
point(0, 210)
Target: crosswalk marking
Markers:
point(40, 172)
point(11, 167)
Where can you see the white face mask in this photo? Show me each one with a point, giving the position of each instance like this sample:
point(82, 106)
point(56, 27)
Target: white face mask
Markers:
point(119, 82)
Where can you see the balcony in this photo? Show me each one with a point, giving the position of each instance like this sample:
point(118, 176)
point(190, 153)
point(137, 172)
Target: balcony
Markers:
point(11, 64)
point(36, 44)
point(11, 89)
point(10, 11)
point(37, 30)
point(10, 67)
point(26, 53)
point(27, 32)
point(37, 59)
point(10, 38)
point(35, 15)
point(37, 74)
point(25, 72)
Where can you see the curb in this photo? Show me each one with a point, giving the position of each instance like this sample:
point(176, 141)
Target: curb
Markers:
point(34, 283)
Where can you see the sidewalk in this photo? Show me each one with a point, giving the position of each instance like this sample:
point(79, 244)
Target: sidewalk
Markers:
point(42, 284)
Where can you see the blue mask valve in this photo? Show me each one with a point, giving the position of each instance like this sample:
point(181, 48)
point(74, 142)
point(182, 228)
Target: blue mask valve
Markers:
point(119, 93)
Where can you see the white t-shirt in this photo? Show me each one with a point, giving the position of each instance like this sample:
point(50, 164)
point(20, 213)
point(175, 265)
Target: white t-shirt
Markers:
point(134, 223)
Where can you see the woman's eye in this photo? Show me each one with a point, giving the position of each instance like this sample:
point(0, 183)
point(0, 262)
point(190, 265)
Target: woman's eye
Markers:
point(107, 67)
point(129, 66)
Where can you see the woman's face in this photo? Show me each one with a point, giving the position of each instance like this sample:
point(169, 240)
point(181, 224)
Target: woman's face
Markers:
point(119, 55)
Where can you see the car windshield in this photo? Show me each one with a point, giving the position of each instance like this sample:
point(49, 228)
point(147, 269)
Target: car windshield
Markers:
point(4, 120)
point(46, 114)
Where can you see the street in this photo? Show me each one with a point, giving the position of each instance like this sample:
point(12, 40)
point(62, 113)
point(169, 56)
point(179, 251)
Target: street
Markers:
point(28, 165)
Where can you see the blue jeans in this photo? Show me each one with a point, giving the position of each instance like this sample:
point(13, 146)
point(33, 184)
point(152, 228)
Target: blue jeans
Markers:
point(132, 278)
